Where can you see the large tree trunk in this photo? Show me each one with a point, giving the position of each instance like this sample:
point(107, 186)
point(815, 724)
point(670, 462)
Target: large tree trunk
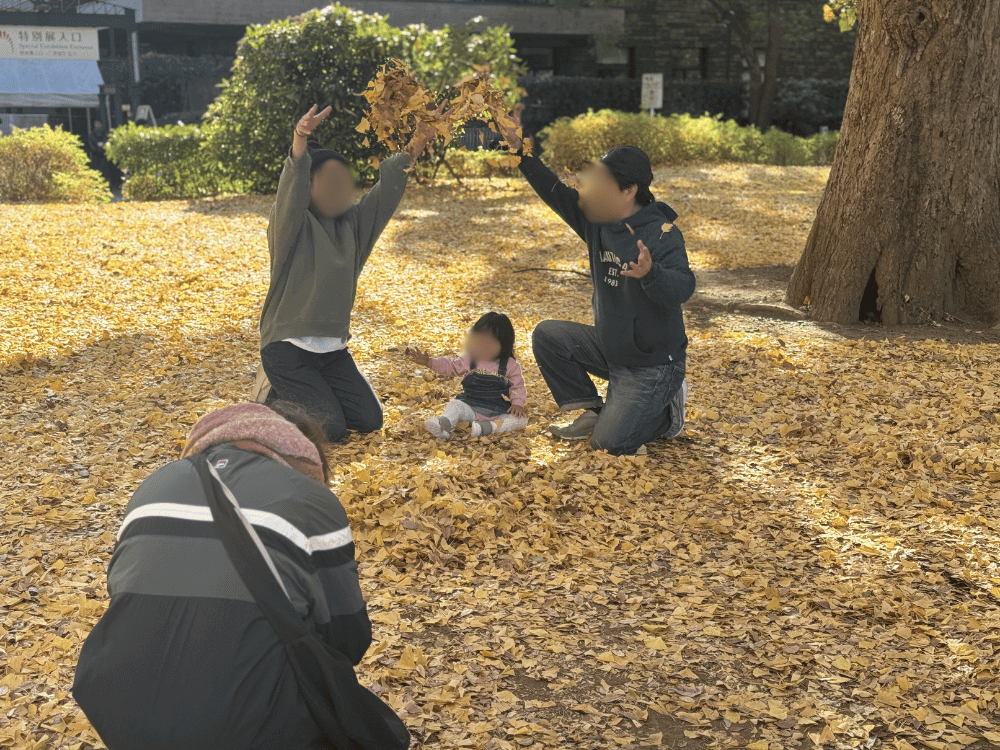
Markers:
point(908, 228)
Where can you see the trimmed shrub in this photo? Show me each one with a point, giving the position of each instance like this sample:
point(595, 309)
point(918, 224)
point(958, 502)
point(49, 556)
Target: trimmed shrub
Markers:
point(282, 68)
point(783, 149)
point(676, 139)
point(42, 165)
point(327, 57)
point(173, 161)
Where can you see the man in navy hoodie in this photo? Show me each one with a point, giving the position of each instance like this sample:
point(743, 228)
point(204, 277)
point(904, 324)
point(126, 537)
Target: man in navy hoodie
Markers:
point(641, 278)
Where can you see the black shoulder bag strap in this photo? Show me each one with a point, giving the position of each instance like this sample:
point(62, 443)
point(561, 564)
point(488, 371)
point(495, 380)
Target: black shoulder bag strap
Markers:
point(351, 717)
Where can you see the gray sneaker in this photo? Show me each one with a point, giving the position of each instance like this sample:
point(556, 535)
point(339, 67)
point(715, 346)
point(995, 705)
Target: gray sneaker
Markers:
point(677, 411)
point(580, 429)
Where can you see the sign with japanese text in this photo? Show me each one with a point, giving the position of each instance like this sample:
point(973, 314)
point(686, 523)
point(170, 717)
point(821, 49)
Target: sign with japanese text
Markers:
point(48, 42)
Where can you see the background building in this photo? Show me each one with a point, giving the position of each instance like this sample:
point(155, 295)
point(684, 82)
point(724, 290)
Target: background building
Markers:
point(51, 53)
point(549, 38)
point(686, 40)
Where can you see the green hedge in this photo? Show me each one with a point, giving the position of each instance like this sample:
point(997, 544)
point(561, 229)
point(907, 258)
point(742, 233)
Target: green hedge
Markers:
point(173, 161)
point(42, 164)
point(676, 139)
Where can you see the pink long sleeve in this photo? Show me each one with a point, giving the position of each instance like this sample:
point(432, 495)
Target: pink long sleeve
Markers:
point(450, 367)
point(518, 393)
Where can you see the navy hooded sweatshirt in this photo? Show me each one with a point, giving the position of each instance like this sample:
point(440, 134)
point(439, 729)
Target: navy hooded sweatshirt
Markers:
point(638, 321)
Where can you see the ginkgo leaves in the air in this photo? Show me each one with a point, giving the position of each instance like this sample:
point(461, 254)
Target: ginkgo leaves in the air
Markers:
point(398, 103)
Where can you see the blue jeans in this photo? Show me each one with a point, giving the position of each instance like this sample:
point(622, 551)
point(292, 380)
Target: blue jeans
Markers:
point(637, 409)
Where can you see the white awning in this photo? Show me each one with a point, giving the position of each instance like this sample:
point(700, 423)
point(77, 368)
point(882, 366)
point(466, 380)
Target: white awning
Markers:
point(49, 83)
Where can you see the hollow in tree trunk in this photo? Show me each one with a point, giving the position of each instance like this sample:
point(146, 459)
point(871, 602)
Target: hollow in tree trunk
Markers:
point(908, 229)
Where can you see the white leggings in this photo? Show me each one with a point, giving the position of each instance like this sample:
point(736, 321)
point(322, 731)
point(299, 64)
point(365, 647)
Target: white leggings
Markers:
point(458, 411)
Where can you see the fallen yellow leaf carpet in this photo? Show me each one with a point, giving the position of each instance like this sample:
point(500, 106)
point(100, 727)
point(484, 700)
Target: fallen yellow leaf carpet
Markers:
point(813, 562)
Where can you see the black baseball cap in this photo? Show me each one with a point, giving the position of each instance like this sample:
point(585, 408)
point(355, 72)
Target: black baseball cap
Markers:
point(631, 166)
point(318, 155)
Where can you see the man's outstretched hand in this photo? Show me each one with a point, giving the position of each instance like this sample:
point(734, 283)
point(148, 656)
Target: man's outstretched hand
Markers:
point(640, 268)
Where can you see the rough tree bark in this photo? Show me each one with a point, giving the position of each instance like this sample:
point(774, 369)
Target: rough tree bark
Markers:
point(908, 228)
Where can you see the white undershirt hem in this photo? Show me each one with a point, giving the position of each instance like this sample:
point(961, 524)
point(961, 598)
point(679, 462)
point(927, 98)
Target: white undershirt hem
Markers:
point(319, 344)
